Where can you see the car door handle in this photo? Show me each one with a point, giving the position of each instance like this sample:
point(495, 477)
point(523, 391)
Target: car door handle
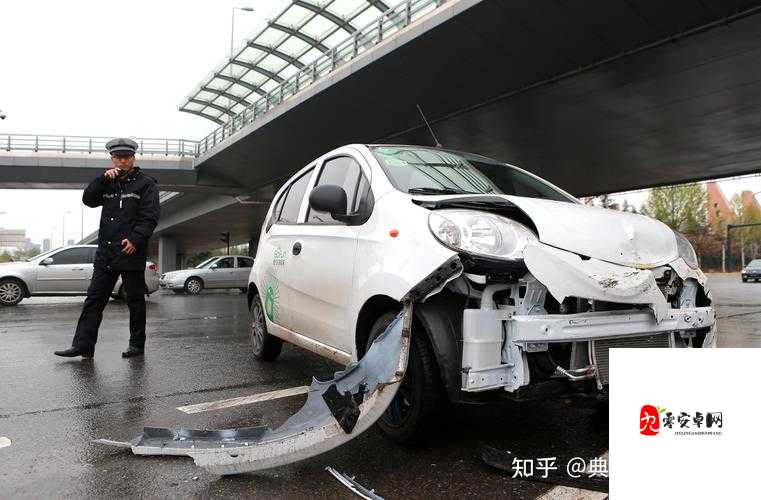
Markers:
point(79, 269)
point(296, 248)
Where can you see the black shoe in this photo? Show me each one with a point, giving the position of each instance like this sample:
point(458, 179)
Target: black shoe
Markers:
point(73, 352)
point(131, 352)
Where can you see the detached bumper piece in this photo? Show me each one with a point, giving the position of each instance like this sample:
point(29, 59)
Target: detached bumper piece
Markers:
point(335, 411)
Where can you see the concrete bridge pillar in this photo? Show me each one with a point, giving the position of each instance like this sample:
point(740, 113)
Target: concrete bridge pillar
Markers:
point(167, 254)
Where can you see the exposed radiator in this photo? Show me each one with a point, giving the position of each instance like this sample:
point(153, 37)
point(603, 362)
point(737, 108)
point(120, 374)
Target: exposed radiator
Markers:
point(601, 348)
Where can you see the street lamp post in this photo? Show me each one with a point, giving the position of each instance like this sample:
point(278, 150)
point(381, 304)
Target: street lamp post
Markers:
point(63, 227)
point(232, 31)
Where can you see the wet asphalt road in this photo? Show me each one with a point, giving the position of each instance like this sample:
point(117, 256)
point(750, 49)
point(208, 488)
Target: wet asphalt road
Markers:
point(50, 409)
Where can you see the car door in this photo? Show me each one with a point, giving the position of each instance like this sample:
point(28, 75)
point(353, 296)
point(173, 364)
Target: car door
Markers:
point(242, 270)
point(322, 271)
point(220, 273)
point(70, 271)
point(275, 250)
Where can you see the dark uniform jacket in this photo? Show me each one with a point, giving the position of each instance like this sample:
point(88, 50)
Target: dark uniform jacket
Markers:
point(130, 210)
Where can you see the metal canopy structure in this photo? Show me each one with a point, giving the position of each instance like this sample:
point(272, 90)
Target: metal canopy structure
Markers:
point(300, 34)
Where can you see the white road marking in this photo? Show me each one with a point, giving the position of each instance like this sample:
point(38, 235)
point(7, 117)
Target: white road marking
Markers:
point(568, 493)
point(244, 400)
point(4, 442)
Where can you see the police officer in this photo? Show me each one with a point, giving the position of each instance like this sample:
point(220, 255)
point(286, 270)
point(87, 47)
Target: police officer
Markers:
point(130, 201)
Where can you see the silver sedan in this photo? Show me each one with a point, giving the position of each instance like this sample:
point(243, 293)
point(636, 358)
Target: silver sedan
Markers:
point(63, 271)
point(228, 271)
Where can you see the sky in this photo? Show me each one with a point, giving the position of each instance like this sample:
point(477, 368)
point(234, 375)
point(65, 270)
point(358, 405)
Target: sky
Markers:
point(107, 68)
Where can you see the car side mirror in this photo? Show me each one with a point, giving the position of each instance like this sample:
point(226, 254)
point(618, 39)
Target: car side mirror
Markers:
point(329, 198)
point(213, 267)
point(47, 262)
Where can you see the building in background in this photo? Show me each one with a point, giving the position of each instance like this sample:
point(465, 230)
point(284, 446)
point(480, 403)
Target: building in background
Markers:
point(69, 242)
point(14, 240)
point(720, 213)
point(46, 245)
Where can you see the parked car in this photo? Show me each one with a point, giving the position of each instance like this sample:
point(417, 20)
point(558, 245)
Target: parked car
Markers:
point(228, 271)
point(752, 271)
point(549, 284)
point(63, 271)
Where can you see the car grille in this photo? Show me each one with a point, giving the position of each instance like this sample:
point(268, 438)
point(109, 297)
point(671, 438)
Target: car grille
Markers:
point(601, 349)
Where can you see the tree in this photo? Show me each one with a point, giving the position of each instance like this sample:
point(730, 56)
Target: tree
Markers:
point(682, 208)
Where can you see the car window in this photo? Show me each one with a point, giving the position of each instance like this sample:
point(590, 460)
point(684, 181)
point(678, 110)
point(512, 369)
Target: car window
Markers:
point(245, 262)
point(421, 170)
point(226, 263)
point(289, 214)
point(80, 255)
point(344, 172)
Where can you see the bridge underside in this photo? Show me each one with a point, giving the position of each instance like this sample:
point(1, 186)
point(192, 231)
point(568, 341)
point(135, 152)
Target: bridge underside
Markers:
point(596, 96)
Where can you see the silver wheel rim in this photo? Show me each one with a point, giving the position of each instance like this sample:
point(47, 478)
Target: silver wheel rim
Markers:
point(194, 286)
point(10, 292)
point(257, 328)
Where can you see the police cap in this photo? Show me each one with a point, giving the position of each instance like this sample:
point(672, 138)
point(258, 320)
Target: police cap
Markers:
point(121, 146)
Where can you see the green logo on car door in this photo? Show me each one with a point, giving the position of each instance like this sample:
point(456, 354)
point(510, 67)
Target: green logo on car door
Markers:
point(271, 300)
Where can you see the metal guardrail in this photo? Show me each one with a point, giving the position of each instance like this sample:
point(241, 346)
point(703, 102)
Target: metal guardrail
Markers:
point(83, 144)
point(392, 20)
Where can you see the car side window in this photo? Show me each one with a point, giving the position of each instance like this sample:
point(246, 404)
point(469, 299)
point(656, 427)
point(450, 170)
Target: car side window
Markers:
point(289, 214)
point(226, 263)
point(344, 172)
point(245, 262)
point(81, 255)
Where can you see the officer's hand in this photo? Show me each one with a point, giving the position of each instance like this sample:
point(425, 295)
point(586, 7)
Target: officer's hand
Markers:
point(128, 247)
point(112, 173)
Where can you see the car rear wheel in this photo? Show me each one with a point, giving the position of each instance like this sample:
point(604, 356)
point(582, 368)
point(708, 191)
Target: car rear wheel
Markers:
point(411, 416)
point(11, 292)
point(745, 280)
point(264, 345)
point(193, 286)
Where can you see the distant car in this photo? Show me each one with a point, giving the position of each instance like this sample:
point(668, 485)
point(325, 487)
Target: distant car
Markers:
point(63, 271)
point(752, 271)
point(228, 271)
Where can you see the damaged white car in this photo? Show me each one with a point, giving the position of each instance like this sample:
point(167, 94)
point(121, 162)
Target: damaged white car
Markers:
point(440, 276)
point(548, 284)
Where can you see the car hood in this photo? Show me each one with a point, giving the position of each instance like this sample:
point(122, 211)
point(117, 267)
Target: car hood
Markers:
point(609, 235)
point(6, 265)
point(180, 274)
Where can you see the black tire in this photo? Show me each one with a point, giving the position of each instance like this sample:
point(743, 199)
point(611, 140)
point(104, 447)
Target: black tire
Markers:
point(193, 286)
point(745, 280)
point(179, 292)
point(412, 416)
point(12, 291)
point(265, 346)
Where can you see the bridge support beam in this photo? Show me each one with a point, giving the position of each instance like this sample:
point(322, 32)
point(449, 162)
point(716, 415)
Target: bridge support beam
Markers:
point(168, 253)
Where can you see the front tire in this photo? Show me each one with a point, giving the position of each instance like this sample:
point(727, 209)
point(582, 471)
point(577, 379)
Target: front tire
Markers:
point(265, 346)
point(11, 292)
point(411, 416)
point(193, 286)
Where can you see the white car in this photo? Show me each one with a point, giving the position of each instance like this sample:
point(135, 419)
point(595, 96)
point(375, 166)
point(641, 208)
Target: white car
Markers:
point(544, 287)
point(63, 271)
point(228, 271)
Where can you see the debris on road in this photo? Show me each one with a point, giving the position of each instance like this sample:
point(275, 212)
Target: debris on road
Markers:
point(353, 485)
point(356, 398)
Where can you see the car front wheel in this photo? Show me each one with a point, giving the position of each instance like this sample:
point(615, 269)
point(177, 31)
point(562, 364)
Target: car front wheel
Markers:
point(11, 292)
point(411, 417)
point(264, 345)
point(193, 286)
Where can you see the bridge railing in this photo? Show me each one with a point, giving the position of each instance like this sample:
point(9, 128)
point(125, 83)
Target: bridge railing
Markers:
point(84, 144)
point(391, 21)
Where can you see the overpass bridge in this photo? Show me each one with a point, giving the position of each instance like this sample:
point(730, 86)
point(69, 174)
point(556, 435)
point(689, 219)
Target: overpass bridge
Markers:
point(596, 96)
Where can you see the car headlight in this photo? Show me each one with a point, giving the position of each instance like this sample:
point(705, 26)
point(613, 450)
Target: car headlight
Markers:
point(686, 252)
point(480, 233)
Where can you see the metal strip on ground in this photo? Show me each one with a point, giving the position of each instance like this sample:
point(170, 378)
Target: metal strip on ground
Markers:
point(243, 400)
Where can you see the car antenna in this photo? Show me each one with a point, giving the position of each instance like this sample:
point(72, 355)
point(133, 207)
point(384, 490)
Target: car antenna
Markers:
point(438, 144)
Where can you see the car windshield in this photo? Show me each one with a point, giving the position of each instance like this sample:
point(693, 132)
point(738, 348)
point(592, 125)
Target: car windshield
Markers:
point(41, 255)
point(754, 263)
point(419, 170)
point(206, 263)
